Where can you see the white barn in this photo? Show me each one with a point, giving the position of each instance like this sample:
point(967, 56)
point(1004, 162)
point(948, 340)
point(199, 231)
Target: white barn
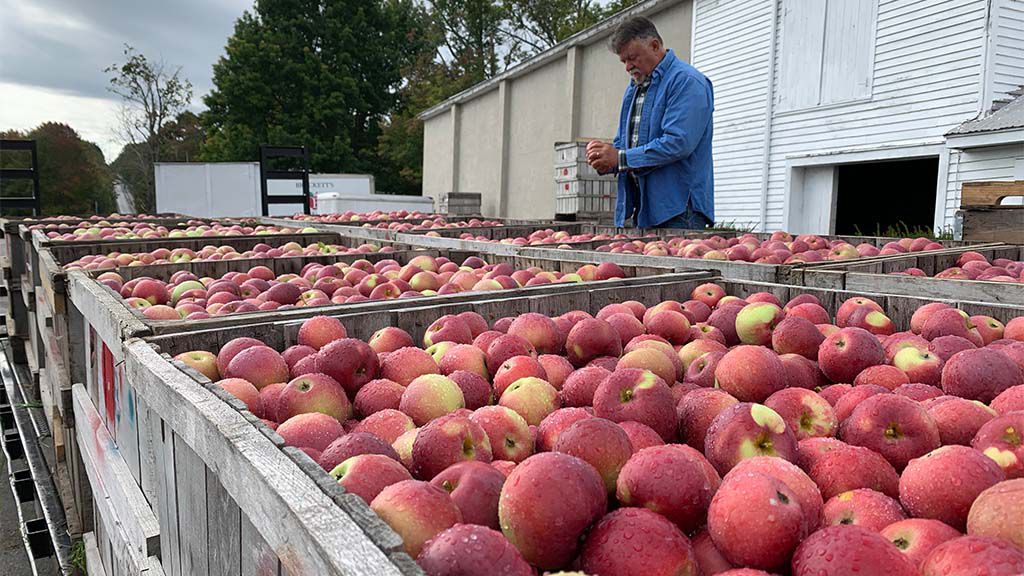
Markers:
point(829, 114)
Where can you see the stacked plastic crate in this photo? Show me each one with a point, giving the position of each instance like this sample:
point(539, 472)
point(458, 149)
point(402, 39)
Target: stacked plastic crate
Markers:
point(462, 203)
point(579, 189)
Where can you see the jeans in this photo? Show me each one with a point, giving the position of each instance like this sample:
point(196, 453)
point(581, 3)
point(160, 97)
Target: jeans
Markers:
point(690, 220)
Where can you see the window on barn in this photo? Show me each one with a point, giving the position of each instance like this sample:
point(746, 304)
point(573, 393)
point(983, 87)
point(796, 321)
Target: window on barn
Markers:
point(826, 52)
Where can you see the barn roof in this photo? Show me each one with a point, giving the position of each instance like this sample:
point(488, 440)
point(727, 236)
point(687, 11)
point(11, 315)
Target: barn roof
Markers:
point(1008, 117)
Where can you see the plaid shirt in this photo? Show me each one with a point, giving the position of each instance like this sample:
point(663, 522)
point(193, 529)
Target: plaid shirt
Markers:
point(635, 114)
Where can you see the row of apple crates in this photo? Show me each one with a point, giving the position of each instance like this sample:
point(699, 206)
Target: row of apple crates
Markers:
point(85, 456)
point(171, 475)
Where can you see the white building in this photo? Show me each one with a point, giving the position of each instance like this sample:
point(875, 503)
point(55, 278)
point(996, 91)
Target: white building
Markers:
point(828, 113)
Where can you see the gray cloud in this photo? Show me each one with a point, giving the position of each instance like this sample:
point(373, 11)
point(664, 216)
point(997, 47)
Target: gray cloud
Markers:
point(64, 45)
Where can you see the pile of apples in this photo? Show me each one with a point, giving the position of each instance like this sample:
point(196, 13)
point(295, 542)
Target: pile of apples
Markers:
point(780, 248)
point(547, 237)
point(714, 436)
point(99, 220)
point(142, 230)
point(399, 221)
point(94, 225)
point(974, 266)
point(186, 296)
point(210, 252)
point(350, 216)
point(434, 224)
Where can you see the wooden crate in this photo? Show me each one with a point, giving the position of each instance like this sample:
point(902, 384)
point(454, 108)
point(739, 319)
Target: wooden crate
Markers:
point(101, 322)
point(491, 232)
point(52, 294)
point(175, 439)
point(984, 219)
point(148, 365)
point(782, 273)
point(877, 276)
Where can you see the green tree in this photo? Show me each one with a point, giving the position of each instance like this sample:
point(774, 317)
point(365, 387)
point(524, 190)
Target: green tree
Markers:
point(540, 24)
point(319, 73)
point(152, 94)
point(616, 6)
point(73, 176)
point(180, 141)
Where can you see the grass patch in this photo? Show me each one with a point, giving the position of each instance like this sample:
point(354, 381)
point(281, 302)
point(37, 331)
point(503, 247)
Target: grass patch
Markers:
point(902, 230)
point(78, 556)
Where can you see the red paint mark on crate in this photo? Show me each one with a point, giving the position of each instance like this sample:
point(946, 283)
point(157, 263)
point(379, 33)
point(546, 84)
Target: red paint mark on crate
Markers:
point(108, 383)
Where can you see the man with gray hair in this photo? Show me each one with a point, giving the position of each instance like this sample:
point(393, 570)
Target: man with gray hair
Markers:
point(662, 149)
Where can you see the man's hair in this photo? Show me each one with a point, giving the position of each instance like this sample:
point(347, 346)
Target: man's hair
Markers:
point(636, 28)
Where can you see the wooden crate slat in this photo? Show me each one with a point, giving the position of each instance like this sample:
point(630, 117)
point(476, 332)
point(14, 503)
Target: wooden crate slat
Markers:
point(307, 532)
point(989, 193)
point(115, 493)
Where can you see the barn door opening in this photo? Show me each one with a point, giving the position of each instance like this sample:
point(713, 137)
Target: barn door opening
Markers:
point(875, 197)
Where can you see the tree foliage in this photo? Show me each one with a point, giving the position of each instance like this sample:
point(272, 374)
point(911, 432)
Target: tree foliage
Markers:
point(346, 78)
point(319, 73)
point(152, 95)
point(180, 139)
point(73, 176)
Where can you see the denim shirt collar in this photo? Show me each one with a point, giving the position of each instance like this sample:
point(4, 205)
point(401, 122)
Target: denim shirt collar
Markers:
point(659, 70)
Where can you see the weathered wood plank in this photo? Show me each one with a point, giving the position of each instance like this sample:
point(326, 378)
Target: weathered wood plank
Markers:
point(995, 224)
point(167, 495)
point(258, 558)
point(970, 290)
point(148, 447)
point(126, 420)
point(104, 312)
point(310, 535)
point(989, 193)
point(113, 487)
point(223, 529)
point(102, 540)
point(92, 555)
point(190, 483)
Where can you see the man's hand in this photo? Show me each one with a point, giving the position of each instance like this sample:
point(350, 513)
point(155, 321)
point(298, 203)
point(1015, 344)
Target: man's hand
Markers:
point(602, 156)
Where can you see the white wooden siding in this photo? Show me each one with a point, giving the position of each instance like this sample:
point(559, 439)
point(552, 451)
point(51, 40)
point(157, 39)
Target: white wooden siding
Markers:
point(981, 164)
point(732, 40)
point(1008, 47)
point(919, 93)
point(926, 73)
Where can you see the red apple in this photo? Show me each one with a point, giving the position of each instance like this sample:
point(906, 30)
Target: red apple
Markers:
point(349, 361)
point(747, 430)
point(471, 549)
point(836, 550)
point(673, 479)
point(666, 551)
point(546, 490)
point(638, 395)
point(805, 412)
point(750, 373)
point(968, 554)
point(736, 521)
point(917, 537)
point(366, 475)
point(417, 511)
point(862, 507)
point(448, 440)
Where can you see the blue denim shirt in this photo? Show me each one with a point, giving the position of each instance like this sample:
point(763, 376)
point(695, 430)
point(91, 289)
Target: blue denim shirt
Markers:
point(672, 162)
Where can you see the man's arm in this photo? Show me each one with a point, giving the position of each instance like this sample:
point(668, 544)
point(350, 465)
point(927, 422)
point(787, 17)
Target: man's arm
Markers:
point(687, 113)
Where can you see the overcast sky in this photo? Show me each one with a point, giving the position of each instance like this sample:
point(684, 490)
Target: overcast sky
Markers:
point(53, 52)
